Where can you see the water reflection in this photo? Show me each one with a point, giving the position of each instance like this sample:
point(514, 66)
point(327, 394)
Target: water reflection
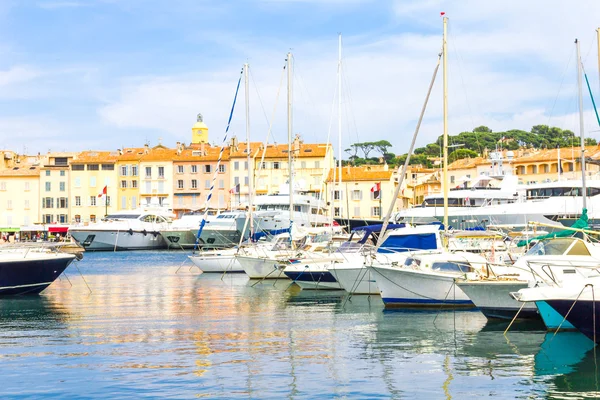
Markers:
point(150, 328)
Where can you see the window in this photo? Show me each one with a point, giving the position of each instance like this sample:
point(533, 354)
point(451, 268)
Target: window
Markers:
point(26, 186)
point(61, 161)
point(221, 184)
point(180, 184)
point(221, 168)
point(161, 172)
point(26, 204)
point(246, 181)
point(92, 200)
point(180, 169)
point(77, 182)
point(92, 181)
point(48, 186)
point(48, 202)
point(317, 164)
point(123, 202)
point(77, 167)
point(194, 184)
point(47, 218)
point(451, 178)
point(47, 172)
point(77, 218)
point(134, 203)
point(357, 195)
point(303, 164)
point(246, 165)
point(194, 199)
point(148, 172)
point(124, 170)
point(108, 167)
point(337, 211)
point(337, 195)
point(356, 212)
point(62, 202)
point(61, 186)
point(134, 170)
point(93, 167)
point(148, 186)
point(78, 201)
point(161, 187)
point(236, 180)
point(207, 184)
point(194, 169)
point(62, 173)
point(123, 184)
point(9, 204)
point(107, 200)
point(92, 218)
point(207, 169)
point(62, 218)
point(236, 165)
point(375, 211)
point(3, 185)
point(275, 164)
point(134, 184)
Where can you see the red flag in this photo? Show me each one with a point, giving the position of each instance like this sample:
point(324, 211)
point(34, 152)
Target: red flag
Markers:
point(103, 192)
point(442, 13)
point(376, 187)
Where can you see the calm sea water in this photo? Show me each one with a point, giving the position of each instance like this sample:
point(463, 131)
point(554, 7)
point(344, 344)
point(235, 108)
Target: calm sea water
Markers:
point(154, 328)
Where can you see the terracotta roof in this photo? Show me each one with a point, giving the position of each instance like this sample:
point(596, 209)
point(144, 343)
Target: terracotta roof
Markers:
point(211, 154)
point(99, 157)
point(468, 163)
point(131, 154)
point(159, 154)
point(21, 170)
point(362, 173)
point(566, 153)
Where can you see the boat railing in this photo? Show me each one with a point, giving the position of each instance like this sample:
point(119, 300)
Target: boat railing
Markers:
point(548, 276)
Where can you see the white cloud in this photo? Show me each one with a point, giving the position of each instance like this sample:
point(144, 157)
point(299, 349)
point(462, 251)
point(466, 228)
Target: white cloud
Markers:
point(18, 74)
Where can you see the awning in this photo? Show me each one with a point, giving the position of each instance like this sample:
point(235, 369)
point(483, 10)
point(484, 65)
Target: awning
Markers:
point(33, 228)
point(9, 229)
point(58, 229)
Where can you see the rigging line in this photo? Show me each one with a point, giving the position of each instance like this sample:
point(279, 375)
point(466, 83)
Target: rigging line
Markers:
point(349, 97)
point(308, 98)
point(215, 174)
point(564, 74)
point(258, 95)
point(462, 81)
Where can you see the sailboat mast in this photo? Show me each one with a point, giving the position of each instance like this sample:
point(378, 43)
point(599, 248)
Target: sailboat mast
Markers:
point(250, 167)
point(340, 121)
point(598, 42)
point(445, 173)
point(581, 130)
point(289, 116)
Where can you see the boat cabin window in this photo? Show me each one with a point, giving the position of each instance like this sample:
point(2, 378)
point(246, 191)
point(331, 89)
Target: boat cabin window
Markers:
point(579, 249)
point(123, 216)
point(553, 247)
point(148, 218)
point(542, 193)
point(448, 266)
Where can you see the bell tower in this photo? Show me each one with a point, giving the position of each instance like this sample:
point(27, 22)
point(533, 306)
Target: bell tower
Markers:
point(199, 131)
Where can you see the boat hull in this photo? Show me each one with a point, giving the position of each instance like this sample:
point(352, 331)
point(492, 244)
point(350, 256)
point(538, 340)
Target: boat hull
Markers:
point(312, 276)
point(261, 268)
point(493, 299)
point(403, 287)
point(179, 239)
point(355, 280)
point(552, 319)
point(216, 263)
point(96, 240)
point(582, 314)
point(31, 275)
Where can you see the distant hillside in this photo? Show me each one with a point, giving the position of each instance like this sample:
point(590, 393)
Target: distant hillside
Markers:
point(468, 144)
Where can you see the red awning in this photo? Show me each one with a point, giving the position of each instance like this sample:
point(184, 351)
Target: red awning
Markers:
point(55, 229)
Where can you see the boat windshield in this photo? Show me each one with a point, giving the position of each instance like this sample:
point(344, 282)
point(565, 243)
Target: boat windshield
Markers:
point(552, 247)
point(449, 266)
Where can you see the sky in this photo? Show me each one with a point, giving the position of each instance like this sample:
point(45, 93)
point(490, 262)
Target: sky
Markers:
point(106, 74)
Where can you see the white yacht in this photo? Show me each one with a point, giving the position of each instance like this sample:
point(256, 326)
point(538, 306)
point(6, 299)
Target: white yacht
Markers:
point(125, 230)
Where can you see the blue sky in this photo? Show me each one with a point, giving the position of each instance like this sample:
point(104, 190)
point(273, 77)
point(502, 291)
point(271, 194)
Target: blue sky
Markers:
point(102, 74)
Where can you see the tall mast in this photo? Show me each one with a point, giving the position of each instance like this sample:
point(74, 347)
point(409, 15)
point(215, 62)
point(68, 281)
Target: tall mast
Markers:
point(581, 133)
point(598, 41)
point(340, 121)
point(289, 116)
point(250, 183)
point(445, 174)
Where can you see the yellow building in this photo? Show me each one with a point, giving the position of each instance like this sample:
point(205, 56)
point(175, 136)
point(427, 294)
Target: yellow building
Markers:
point(194, 169)
point(156, 176)
point(537, 166)
point(199, 131)
point(128, 168)
point(91, 171)
point(311, 164)
point(358, 198)
point(55, 188)
point(19, 195)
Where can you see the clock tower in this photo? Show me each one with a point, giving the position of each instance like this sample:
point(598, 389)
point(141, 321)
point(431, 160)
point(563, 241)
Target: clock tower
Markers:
point(199, 131)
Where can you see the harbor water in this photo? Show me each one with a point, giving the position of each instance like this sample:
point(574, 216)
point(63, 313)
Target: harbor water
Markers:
point(151, 326)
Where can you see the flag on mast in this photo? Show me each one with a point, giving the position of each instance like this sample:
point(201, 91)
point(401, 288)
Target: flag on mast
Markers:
point(235, 189)
point(376, 190)
point(103, 193)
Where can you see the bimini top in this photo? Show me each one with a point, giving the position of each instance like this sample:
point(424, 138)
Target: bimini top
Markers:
point(368, 229)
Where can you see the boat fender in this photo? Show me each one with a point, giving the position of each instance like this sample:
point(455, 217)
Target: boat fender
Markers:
point(131, 231)
point(155, 233)
point(144, 232)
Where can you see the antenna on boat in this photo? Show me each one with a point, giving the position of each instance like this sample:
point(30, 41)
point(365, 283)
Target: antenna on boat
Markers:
point(290, 158)
point(445, 173)
point(581, 129)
